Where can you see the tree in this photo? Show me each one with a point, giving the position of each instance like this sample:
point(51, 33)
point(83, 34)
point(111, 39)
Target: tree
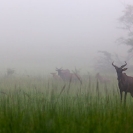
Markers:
point(104, 61)
point(127, 24)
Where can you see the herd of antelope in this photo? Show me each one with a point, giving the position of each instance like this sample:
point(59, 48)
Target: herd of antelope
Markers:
point(125, 83)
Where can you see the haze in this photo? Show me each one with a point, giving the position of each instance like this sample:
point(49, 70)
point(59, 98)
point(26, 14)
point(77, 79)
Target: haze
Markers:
point(38, 36)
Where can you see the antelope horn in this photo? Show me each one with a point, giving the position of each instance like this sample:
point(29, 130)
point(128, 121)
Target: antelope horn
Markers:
point(114, 65)
point(124, 65)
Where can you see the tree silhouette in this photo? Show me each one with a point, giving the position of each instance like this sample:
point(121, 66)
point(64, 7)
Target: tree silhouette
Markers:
point(126, 20)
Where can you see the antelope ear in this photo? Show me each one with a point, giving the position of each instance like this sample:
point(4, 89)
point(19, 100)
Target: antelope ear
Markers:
point(124, 69)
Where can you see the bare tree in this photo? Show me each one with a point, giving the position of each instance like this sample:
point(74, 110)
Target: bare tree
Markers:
point(126, 20)
point(103, 61)
point(102, 64)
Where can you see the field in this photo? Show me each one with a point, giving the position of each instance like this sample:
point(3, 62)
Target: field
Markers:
point(38, 105)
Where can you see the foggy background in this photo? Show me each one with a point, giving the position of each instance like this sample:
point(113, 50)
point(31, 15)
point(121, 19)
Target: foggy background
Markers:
point(38, 36)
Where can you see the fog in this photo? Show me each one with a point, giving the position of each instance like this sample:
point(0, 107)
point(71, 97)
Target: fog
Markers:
point(38, 36)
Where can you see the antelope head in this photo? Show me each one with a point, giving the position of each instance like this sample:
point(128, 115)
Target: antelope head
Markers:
point(119, 70)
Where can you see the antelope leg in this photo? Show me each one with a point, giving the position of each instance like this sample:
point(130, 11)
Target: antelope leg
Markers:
point(125, 97)
point(121, 95)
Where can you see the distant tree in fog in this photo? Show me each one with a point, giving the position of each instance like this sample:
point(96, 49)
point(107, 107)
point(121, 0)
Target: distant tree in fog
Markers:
point(103, 62)
point(127, 25)
point(105, 59)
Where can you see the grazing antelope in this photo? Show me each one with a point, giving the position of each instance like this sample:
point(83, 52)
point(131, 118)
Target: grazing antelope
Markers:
point(55, 76)
point(125, 82)
point(102, 79)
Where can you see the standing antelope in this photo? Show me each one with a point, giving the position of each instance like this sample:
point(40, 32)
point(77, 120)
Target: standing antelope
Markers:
point(67, 76)
point(64, 74)
point(125, 82)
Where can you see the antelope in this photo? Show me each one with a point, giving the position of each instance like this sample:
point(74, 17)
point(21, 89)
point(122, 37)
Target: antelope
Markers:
point(55, 76)
point(64, 74)
point(67, 76)
point(125, 82)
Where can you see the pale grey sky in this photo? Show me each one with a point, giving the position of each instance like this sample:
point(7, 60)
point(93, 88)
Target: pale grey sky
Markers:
point(44, 34)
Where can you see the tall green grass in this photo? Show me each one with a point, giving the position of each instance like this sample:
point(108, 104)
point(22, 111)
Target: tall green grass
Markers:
point(38, 105)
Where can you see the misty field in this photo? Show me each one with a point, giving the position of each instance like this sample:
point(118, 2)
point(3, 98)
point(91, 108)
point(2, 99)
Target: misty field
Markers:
point(38, 105)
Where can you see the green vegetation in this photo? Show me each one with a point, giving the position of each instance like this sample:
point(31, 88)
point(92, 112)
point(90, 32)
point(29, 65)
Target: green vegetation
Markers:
point(38, 105)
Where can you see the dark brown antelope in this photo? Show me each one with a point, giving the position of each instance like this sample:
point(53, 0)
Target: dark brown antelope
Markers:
point(125, 82)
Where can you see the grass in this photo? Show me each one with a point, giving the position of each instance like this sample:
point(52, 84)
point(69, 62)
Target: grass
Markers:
point(32, 105)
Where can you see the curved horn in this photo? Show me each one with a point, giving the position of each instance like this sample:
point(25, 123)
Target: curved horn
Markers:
point(124, 65)
point(114, 65)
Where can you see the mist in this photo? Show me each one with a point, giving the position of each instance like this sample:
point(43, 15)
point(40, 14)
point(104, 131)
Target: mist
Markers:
point(38, 36)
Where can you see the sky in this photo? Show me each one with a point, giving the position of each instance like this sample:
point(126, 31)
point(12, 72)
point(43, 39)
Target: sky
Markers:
point(40, 35)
